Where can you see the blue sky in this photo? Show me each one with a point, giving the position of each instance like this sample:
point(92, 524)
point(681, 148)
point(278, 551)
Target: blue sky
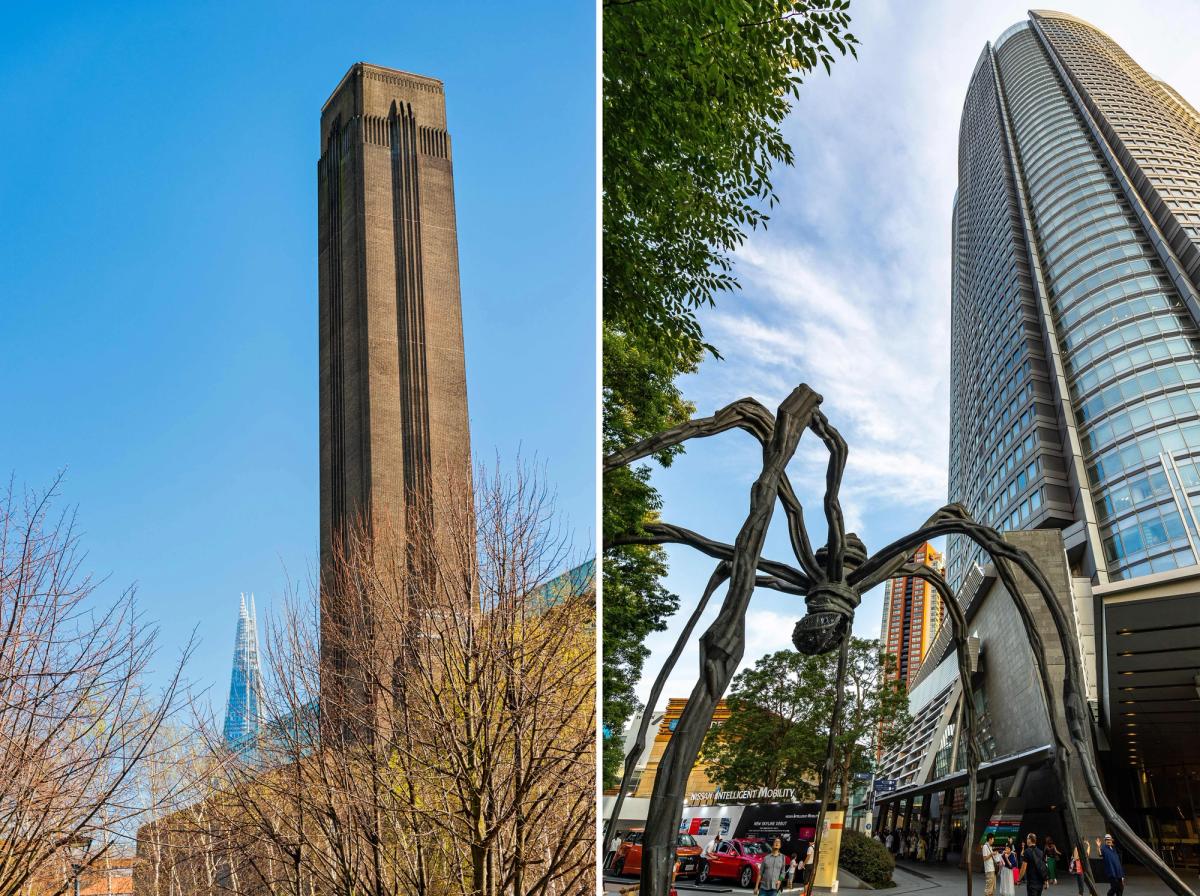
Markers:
point(849, 290)
point(158, 275)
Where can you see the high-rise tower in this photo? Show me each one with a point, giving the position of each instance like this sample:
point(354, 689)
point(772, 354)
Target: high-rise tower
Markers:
point(1075, 356)
point(393, 402)
point(1076, 383)
point(912, 615)
point(242, 713)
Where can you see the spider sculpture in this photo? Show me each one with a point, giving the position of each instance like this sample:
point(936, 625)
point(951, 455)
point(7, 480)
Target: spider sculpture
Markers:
point(832, 580)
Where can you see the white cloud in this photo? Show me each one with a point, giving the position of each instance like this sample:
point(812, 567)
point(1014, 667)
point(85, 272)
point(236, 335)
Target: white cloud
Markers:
point(849, 288)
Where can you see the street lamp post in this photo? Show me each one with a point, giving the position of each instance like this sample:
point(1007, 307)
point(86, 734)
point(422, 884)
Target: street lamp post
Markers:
point(77, 850)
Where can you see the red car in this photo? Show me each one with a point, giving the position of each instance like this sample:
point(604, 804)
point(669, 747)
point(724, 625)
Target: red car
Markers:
point(628, 859)
point(734, 860)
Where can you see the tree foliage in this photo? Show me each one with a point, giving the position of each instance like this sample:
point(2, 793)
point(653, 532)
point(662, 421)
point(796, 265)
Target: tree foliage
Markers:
point(778, 728)
point(694, 96)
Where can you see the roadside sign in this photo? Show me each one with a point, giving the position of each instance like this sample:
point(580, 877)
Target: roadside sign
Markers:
point(884, 785)
point(863, 776)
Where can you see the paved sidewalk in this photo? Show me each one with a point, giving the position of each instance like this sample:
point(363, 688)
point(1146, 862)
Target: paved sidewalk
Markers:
point(944, 880)
point(914, 878)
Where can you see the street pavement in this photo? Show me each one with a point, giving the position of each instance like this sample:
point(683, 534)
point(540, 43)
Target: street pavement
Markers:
point(914, 878)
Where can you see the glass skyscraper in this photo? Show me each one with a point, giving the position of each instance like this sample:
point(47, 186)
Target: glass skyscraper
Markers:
point(1075, 391)
point(1075, 378)
point(242, 718)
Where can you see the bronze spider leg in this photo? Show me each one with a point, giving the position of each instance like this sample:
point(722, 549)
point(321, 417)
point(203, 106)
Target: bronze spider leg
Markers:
point(666, 533)
point(827, 768)
point(721, 646)
point(954, 519)
point(746, 414)
point(719, 576)
point(958, 628)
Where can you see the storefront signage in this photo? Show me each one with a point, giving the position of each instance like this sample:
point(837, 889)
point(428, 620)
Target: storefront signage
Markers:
point(708, 797)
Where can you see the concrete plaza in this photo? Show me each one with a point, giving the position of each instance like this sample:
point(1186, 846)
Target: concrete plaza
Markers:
point(913, 878)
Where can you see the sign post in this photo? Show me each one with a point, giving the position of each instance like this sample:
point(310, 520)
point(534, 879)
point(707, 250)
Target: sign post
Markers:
point(831, 848)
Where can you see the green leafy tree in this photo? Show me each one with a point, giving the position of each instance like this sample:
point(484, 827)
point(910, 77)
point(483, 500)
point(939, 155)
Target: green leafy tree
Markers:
point(778, 728)
point(694, 96)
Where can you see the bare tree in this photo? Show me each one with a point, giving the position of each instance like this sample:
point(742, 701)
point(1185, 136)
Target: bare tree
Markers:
point(77, 718)
point(434, 732)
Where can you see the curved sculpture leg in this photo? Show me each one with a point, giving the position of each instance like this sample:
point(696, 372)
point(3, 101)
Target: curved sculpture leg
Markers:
point(721, 647)
point(827, 772)
point(746, 414)
point(954, 519)
point(958, 629)
point(719, 576)
point(666, 533)
point(1081, 745)
point(835, 543)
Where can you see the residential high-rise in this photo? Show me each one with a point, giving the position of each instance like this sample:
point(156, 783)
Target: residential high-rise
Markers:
point(1075, 367)
point(393, 402)
point(912, 615)
point(242, 714)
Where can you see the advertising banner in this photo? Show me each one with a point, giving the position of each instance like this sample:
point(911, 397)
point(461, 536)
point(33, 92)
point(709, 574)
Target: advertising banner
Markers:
point(787, 821)
point(704, 823)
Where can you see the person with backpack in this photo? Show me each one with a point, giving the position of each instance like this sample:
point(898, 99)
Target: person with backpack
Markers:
point(1034, 870)
point(1113, 869)
point(989, 865)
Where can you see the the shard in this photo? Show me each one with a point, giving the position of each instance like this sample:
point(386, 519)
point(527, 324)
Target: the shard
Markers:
point(242, 718)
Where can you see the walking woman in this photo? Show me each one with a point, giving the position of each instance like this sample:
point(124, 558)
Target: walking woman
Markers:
point(1052, 858)
point(1007, 871)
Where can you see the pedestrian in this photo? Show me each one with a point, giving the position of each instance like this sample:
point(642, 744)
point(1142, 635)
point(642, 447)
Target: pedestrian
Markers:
point(1052, 857)
point(1077, 864)
point(891, 842)
point(989, 865)
point(1113, 868)
point(1006, 866)
point(713, 844)
point(797, 872)
point(921, 849)
point(613, 845)
point(770, 872)
point(810, 856)
point(1033, 867)
point(793, 858)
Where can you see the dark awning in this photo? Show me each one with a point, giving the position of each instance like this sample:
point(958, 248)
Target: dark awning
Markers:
point(992, 769)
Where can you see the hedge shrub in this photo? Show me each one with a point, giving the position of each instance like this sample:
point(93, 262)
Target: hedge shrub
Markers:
point(867, 859)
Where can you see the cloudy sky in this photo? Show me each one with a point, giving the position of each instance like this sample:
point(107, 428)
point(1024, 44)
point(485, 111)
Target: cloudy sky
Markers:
point(849, 288)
